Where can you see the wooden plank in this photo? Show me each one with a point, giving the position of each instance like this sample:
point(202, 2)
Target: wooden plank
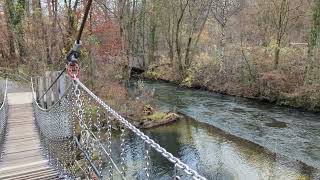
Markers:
point(41, 91)
point(23, 157)
point(62, 85)
point(45, 97)
point(36, 87)
point(40, 174)
point(21, 151)
point(20, 98)
point(49, 93)
point(42, 163)
point(55, 87)
point(68, 82)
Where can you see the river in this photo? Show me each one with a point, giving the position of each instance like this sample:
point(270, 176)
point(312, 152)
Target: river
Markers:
point(231, 138)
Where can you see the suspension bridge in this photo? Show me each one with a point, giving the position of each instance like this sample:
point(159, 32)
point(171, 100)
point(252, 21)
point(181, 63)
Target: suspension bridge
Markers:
point(79, 136)
point(76, 136)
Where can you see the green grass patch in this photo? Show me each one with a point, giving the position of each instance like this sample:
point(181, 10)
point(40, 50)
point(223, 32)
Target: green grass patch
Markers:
point(157, 116)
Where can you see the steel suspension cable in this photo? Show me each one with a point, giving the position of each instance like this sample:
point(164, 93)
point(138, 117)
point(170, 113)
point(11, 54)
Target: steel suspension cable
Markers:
point(84, 20)
point(150, 142)
point(58, 77)
point(74, 53)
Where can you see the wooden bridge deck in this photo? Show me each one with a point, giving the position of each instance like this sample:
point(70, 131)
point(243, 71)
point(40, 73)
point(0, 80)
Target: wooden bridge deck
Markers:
point(22, 156)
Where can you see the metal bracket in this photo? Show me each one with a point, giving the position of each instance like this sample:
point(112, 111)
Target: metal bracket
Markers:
point(74, 54)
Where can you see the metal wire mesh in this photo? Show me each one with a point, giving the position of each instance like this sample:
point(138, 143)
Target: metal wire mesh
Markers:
point(55, 123)
point(78, 135)
point(3, 115)
point(81, 90)
point(55, 127)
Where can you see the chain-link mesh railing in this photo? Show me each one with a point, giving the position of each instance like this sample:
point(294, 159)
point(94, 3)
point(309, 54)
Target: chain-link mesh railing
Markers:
point(83, 137)
point(55, 127)
point(3, 114)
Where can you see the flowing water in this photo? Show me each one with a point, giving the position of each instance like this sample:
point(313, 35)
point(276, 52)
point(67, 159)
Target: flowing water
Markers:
point(231, 138)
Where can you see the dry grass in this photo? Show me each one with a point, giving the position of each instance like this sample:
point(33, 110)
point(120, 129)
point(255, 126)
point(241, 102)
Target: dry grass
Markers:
point(251, 75)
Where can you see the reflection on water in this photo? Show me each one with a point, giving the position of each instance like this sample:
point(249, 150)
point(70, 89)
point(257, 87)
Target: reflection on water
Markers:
point(285, 131)
point(213, 153)
point(292, 134)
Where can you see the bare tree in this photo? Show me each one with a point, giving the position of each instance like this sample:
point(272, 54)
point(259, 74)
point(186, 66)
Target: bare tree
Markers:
point(312, 68)
point(282, 16)
point(263, 21)
point(223, 10)
point(182, 7)
point(198, 13)
point(8, 13)
point(280, 20)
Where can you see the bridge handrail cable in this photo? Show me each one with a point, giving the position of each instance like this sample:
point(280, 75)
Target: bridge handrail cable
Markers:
point(3, 116)
point(67, 92)
point(4, 95)
point(57, 103)
point(177, 162)
point(89, 138)
point(52, 84)
point(76, 112)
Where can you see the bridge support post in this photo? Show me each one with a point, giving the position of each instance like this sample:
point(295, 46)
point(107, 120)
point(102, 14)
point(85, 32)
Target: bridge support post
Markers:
point(41, 90)
point(49, 93)
point(54, 94)
point(37, 82)
point(62, 86)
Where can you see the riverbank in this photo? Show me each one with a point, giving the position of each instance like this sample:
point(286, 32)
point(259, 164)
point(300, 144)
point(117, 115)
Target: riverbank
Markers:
point(267, 88)
point(281, 130)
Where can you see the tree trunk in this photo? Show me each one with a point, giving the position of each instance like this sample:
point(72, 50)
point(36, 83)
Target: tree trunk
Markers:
point(187, 58)
point(142, 32)
point(313, 44)
point(10, 32)
point(71, 20)
point(15, 17)
point(178, 48)
point(170, 41)
point(222, 48)
point(276, 58)
point(277, 54)
point(21, 46)
point(152, 43)
point(133, 36)
point(50, 39)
